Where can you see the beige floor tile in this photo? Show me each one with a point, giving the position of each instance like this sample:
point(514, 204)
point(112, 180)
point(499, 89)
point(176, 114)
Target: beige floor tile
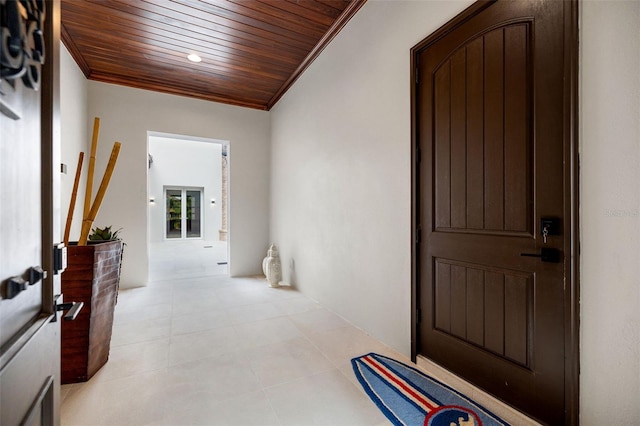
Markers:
point(171, 260)
point(142, 331)
point(297, 305)
point(266, 332)
point(80, 408)
point(199, 321)
point(144, 398)
point(252, 409)
point(323, 399)
point(190, 306)
point(234, 297)
point(255, 312)
point(282, 362)
point(194, 293)
point(154, 294)
point(135, 313)
point(317, 320)
point(194, 346)
point(342, 344)
point(216, 378)
point(130, 360)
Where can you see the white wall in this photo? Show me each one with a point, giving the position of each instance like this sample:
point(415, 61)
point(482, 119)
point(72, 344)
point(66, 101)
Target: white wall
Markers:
point(127, 114)
point(341, 174)
point(341, 185)
point(185, 163)
point(610, 212)
point(73, 129)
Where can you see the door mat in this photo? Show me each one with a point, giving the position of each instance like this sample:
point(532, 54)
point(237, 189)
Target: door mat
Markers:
point(409, 397)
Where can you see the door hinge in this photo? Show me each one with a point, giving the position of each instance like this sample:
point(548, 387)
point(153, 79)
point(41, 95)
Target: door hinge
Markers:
point(418, 155)
point(417, 76)
point(418, 315)
point(419, 235)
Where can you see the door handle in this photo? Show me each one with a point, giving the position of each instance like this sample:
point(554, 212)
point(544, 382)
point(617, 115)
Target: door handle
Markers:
point(14, 286)
point(72, 308)
point(18, 284)
point(546, 255)
point(36, 273)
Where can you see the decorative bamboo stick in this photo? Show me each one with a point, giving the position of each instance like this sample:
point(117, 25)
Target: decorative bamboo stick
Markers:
point(72, 203)
point(88, 221)
point(90, 171)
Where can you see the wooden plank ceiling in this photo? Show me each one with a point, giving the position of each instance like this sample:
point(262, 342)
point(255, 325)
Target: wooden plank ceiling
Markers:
point(252, 50)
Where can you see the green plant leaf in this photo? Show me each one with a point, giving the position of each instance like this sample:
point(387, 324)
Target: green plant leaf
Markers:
point(104, 234)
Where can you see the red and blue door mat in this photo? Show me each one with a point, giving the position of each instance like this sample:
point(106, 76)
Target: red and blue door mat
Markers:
point(411, 398)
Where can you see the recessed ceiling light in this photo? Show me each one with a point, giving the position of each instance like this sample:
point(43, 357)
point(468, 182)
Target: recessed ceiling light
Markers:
point(194, 58)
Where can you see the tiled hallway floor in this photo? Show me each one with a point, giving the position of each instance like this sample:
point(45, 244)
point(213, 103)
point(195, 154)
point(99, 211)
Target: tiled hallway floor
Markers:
point(232, 351)
point(223, 351)
point(177, 259)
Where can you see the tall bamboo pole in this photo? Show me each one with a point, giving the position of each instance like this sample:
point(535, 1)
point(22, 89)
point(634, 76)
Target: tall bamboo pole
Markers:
point(72, 203)
point(90, 171)
point(88, 221)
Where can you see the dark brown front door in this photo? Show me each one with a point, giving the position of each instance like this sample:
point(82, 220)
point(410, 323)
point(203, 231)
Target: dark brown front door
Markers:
point(489, 113)
point(29, 336)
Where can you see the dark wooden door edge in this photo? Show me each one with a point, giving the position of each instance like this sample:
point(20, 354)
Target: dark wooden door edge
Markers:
point(572, 300)
point(572, 292)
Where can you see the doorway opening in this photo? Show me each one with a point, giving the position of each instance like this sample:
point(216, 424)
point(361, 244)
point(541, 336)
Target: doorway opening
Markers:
point(187, 188)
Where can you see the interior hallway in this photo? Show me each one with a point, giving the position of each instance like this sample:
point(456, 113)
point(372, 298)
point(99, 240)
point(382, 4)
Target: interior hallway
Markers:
point(214, 350)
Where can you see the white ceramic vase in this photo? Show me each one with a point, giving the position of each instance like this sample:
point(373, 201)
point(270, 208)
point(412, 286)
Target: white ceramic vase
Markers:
point(271, 267)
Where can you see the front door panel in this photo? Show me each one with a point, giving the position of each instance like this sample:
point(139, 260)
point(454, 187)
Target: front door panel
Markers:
point(490, 127)
point(29, 341)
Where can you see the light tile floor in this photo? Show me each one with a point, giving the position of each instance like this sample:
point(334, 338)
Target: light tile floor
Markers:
point(225, 351)
point(176, 259)
point(215, 350)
